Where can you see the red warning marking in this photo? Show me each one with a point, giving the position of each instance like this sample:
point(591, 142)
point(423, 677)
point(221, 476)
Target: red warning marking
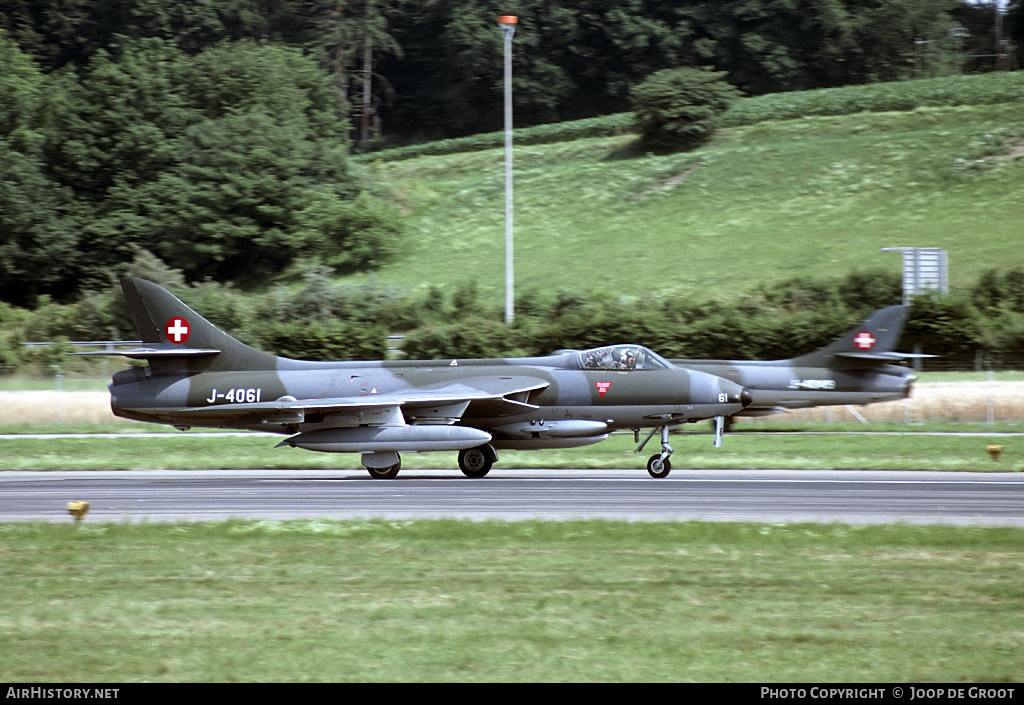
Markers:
point(602, 387)
point(864, 340)
point(177, 330)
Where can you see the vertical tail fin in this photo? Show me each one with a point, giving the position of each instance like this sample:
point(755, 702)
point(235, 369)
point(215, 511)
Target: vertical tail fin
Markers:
point(874, 339)
point(171, 331)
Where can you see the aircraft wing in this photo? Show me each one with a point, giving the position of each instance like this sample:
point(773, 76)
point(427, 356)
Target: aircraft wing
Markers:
point(443, 404)
point(515, 388)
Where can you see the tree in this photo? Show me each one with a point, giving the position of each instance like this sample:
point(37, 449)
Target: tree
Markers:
point(353, 36)
point(38, 241)
point(884, 35)
point(675, 108)
point(68, 33)
point(211, 162)
point(573, 58)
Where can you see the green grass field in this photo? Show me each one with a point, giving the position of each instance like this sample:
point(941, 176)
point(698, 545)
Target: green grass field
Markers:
point(521, 602)
point(896, 450)
point(817, 196)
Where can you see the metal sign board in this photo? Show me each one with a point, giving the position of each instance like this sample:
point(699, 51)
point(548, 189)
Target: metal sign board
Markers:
point(925, 269)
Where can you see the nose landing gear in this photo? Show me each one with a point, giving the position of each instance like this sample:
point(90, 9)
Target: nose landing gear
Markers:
point(658, 465)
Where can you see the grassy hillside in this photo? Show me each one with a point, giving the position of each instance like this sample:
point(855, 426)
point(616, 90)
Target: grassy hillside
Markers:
point(816, 196)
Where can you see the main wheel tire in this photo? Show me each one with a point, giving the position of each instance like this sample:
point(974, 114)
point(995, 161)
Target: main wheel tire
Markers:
point(388, 473)
point(475, 462)
point(659, 468)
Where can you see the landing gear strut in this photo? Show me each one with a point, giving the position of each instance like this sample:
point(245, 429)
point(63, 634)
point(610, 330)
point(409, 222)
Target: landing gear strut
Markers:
point(658, 465)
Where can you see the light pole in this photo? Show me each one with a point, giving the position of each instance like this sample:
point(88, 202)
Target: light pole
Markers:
point(508, 23)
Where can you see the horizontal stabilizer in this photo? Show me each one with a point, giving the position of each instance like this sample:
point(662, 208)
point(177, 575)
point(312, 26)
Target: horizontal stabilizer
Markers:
point(884, 356)
point(162, 351)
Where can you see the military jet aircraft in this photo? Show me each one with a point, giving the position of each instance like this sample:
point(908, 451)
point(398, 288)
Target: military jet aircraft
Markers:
point(861, 367)
point(198, 375)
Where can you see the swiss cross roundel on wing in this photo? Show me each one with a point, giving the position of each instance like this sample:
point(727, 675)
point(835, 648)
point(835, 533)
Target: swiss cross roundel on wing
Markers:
point(864, 340)
point(177, 330)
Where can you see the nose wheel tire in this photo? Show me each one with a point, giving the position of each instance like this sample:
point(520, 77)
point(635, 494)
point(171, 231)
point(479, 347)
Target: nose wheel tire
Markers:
point(657, 467)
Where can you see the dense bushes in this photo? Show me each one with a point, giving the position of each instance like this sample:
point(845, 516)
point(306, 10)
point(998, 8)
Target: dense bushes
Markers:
point(323, 320)
point(878, 97)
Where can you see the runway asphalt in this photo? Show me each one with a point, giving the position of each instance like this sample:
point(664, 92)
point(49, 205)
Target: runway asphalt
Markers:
point(852, 497)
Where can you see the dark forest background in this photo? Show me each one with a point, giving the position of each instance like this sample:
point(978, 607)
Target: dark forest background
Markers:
point(215, 134)
point(434, 65)
point(212, 138)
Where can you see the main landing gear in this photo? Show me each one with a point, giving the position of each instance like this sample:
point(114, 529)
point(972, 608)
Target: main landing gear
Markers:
point(477, 462)
point(382, 465)
point(474, 462)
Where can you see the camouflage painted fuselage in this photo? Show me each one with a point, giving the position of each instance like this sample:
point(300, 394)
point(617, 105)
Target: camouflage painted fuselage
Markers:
point(857, 368)
point(532, 402)
point(200, 376)
point(785, 385)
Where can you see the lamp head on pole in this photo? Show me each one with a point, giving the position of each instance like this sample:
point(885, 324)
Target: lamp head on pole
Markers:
point(508, 23)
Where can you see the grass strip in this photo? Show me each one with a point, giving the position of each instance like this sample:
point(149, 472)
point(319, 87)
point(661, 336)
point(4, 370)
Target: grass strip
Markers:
point(490, 601)
point(896, 451)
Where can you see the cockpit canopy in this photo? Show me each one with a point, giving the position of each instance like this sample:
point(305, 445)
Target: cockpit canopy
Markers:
point(622, 357)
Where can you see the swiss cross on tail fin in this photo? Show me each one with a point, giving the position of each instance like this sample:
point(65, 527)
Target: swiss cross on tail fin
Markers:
point(177, 330)
point(873, 339)
point(170, 329)
point(864, 340)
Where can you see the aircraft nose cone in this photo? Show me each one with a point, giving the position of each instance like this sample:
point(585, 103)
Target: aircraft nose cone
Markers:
point(746, 396)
